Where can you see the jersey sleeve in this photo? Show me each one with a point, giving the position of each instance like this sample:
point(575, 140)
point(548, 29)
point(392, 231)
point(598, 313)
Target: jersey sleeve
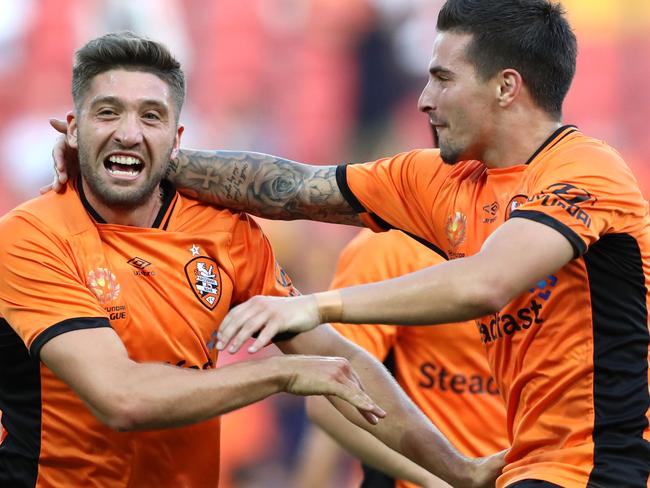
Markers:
point(41, 293)
point(398, 192)
point(256, 271)
point(583, 194)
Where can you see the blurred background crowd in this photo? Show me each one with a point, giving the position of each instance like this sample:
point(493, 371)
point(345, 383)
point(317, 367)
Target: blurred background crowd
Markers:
point(318, 81)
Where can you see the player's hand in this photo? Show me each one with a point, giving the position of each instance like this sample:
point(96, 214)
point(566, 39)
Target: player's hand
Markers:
point(66, 162)
point(268, 316)
point(319, 375)
point(486, 470)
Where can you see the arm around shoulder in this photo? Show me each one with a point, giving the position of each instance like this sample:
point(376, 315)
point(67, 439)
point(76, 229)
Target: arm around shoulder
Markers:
point(263, 185)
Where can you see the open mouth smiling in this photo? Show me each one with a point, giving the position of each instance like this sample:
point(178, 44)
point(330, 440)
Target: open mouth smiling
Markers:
point(123, 166)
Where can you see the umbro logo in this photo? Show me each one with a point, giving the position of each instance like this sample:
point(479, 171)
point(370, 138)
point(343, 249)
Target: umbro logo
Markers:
point(139, 263)
point(491, 211)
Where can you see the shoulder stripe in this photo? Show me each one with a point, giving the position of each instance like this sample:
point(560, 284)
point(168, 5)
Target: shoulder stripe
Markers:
point(67, 325)
point(579, 246)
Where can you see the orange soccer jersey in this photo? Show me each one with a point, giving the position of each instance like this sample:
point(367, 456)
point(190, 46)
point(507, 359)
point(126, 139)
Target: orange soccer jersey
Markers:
point(164, 290)
point(442, 368)
point(570, 355)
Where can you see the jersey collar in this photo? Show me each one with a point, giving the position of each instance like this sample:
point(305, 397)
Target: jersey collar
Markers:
point(170, 196)
point(553, 139)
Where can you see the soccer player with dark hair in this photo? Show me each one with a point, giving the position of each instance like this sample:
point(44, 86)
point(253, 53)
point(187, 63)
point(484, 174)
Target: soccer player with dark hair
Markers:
point(111, 297)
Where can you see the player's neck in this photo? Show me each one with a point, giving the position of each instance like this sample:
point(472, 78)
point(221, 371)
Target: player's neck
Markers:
point(141, 216)
point(518, 139)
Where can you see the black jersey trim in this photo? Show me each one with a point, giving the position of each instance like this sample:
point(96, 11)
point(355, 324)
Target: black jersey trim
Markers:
point(89, 208)
point(353, 201)
point(620, 357)
point(530, 483)
point(169, 216)
point(579, 246)
point(169, 194)
point(20, 403)
point(342, 182)
point(64, 326)
point(551, 140)
point(427, 244)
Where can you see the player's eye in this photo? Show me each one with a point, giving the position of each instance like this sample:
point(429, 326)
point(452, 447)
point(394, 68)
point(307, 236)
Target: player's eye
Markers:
point(106, 112)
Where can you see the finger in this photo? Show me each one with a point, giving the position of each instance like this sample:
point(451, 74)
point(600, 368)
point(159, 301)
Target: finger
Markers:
point(374, 410)
point(252, 326)
point(59, 125)
point(58, 155)
point(44, 189)
point(62, 178)
point(232, 323)
point(370, 417)
point(362, 402)
point(265, 337)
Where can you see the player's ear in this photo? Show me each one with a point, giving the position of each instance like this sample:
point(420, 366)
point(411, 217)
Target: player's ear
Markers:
point(177, 141)
point(71, 133)
point(509, 84)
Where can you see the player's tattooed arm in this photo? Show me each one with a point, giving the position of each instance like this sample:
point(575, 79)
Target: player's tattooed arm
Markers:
point(263, 185)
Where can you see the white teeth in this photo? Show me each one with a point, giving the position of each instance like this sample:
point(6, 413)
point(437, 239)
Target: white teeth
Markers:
point(123, 173)
point(125, 160)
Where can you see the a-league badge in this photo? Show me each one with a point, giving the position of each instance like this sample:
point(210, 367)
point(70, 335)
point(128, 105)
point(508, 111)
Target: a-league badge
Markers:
point(204, 277)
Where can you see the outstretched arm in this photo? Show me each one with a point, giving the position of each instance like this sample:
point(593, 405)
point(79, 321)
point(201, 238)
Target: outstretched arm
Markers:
point(454, 291)
point(405, 429)
point(365, 447)
point(127, 395)
point(264, 185)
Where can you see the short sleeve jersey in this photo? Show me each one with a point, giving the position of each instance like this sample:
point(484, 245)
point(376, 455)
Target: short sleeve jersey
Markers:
point(570, 355)
point(163, 289)
point(442, 368)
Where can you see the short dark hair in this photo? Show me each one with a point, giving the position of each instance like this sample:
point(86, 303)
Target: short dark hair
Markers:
point(126, 50)
point(530, 36)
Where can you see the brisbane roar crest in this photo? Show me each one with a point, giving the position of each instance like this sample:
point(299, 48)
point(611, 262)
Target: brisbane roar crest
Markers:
point(204, 277)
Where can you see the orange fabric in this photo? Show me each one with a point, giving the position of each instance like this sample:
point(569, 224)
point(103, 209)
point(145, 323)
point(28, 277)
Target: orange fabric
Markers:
point(165, 293)
point(556, 351)
point(442, 368)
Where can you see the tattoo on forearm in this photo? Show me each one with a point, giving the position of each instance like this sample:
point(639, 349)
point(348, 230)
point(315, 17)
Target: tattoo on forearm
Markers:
point(263, 185)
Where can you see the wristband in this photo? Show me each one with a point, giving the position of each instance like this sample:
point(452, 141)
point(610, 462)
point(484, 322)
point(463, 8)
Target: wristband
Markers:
point(330, 306)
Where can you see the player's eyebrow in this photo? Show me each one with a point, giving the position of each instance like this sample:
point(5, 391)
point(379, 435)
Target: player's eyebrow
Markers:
point(110, 100)
point(117, 102)
point(440, 71)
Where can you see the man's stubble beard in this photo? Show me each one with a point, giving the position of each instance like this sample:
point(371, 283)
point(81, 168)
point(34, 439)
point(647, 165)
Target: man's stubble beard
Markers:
point(129, 198)
point(449, 155)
